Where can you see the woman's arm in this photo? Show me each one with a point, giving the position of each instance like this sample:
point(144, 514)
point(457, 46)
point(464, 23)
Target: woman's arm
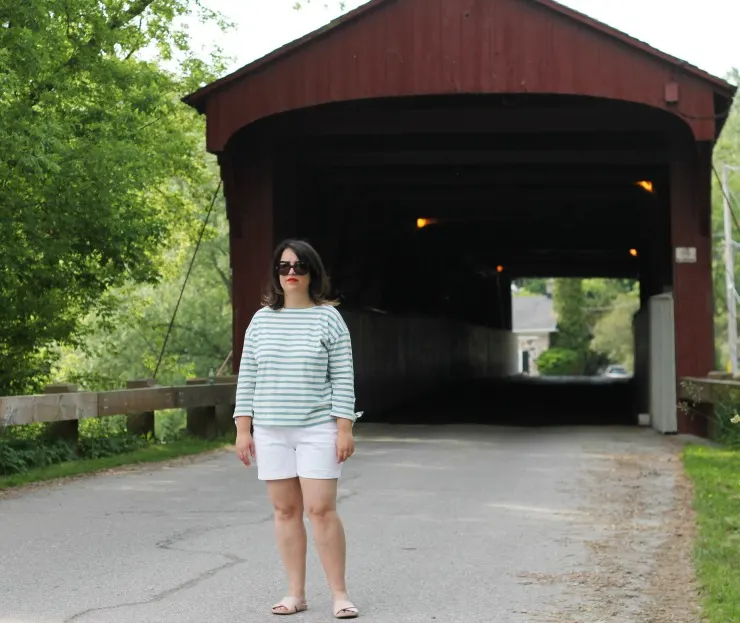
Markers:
point(246, 381)
point(244, 410)
point(341, 371)
point(342, 379)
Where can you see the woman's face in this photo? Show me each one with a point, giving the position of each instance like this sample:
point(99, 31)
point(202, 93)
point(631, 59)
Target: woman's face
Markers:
point(294, 274)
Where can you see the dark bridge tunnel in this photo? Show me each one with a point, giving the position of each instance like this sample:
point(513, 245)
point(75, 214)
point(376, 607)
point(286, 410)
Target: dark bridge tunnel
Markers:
point(522, 401)
point(424, 221)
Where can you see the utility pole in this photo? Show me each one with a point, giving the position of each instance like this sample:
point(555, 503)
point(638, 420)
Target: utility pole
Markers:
point(730, 274)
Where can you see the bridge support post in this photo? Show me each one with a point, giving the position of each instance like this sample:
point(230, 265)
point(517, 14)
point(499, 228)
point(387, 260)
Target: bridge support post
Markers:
point(201, 421)
point(140, 424)
point(249, 185)
point(67, 430)
point(690, 196)
point(225, 413)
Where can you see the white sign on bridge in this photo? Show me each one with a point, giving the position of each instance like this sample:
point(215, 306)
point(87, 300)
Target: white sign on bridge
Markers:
point(685, 255)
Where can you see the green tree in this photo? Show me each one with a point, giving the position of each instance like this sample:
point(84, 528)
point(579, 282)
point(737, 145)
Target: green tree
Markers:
point(727, 150)
point(101, 166)
point(600, 294)
point(126, 343)
point(613, 335)
point(570, 302)
point(531, 286)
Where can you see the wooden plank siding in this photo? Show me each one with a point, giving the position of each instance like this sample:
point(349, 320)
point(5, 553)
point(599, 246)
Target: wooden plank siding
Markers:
point(435, 47)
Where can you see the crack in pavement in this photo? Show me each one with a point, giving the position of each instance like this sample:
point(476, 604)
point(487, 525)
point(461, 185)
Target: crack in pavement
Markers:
point(164, 594)
point(179, 513)
point(197, 531)
point(169, 545)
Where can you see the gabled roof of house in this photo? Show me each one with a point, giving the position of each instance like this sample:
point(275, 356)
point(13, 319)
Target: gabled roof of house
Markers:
point(534, 313)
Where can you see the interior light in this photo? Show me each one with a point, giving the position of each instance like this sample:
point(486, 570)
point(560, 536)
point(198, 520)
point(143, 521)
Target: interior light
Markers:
point(646, 185)
point(633, 252)
point(423, 222)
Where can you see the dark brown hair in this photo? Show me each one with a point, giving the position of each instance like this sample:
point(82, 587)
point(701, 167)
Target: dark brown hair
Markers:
point(319, 286)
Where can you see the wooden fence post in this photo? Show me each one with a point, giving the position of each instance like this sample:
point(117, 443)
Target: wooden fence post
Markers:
point(210, 422)
point(140, 424)
point(201, 421)
point(66, 430)
point(225, 413)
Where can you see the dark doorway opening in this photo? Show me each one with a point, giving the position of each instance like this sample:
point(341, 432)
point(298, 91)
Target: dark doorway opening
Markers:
point(431, 208)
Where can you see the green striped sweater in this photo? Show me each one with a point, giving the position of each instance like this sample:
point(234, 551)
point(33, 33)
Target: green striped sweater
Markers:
point(296, 368)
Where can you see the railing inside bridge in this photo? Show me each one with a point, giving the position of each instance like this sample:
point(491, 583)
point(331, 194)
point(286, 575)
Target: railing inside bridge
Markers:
point(208, 404)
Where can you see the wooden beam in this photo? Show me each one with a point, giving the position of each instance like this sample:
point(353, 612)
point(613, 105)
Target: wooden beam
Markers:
point(60, 407)
point(547, 175)
point(474, 157)
point(158, 398)
point(560, 269)
point(17, 410)
point(472, 120)
point(542, 199)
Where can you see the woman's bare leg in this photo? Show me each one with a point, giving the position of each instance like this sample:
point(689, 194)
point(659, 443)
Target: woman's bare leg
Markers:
point(320, 502)
point(290, 532)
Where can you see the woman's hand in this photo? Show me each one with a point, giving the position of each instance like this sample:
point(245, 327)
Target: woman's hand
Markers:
point(345, 440)
point(245, 448)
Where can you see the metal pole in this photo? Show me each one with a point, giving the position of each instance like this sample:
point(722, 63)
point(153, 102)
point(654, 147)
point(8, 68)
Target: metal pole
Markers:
point(730, 275)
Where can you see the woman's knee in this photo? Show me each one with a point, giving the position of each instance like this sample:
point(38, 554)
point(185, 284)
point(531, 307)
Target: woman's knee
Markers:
point(287, 501)
point(321, 510)
point(319, 498)
point(288, 511)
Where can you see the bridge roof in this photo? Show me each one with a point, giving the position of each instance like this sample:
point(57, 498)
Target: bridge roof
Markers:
point(389, 48)
point(198, 98)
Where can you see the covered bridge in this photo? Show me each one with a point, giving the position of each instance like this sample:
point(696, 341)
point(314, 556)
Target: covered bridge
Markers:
point(433, 150)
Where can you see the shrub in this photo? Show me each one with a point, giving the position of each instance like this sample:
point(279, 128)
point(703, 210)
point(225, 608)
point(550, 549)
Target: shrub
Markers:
point(559, 362)
point(27, 447)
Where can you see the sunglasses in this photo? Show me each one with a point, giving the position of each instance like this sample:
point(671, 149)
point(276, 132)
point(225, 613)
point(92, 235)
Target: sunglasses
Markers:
point(299, 268)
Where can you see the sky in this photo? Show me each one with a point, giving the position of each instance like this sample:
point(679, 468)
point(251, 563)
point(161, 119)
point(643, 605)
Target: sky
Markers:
point(701, 32)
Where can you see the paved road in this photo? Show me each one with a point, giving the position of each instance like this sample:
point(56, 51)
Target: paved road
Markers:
point(444, 524)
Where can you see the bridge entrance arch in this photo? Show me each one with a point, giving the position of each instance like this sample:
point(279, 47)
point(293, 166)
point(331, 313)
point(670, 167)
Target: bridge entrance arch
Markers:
point(434, 150)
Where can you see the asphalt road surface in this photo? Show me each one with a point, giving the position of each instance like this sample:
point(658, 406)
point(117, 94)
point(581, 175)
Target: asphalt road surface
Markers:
point(444, 524)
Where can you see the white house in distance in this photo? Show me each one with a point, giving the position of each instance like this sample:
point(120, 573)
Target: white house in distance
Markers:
point(534, 322)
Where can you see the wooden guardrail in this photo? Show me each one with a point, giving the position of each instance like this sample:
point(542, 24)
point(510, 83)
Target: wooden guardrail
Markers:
point(209, 406)
point(699, 398)
point(719, 387)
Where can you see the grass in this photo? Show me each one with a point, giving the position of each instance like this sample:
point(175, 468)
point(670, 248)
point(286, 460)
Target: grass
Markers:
point(716, 476)
point(149, 454)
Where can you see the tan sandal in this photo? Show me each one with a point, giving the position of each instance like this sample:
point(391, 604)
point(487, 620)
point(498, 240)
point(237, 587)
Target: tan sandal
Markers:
point(345, 610)
point(291, 605)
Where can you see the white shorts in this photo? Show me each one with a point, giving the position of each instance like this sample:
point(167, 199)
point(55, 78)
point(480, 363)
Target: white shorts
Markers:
point(303, 451)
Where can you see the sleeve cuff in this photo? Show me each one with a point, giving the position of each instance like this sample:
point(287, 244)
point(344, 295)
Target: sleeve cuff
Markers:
point(353, 417)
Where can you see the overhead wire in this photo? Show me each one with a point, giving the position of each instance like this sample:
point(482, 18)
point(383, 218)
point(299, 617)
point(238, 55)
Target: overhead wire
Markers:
point(728, 197)
point(187, 276)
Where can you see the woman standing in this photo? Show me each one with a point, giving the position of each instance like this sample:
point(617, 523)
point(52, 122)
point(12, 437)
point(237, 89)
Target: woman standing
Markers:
point(296, 386)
